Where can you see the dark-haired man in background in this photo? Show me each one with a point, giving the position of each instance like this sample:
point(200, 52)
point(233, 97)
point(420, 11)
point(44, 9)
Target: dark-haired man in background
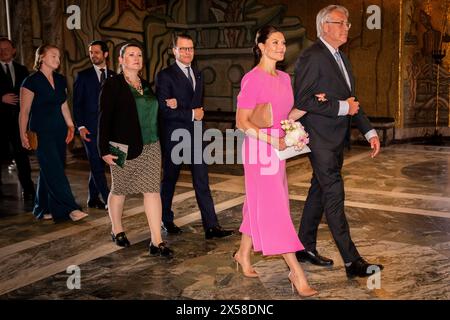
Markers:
point(86, 91)
point(11, 76)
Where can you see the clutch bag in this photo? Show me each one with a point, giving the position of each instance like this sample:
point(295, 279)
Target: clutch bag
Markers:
point(32, 139)
point(120, 151)
point(290, 152)
point(262, 115)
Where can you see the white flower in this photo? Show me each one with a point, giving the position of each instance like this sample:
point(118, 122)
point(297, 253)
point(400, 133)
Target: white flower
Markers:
point(295, 134)
point(291, 138)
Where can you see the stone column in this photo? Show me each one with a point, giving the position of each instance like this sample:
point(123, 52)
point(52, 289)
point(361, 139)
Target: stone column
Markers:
point(3, 27)
point(34, 23)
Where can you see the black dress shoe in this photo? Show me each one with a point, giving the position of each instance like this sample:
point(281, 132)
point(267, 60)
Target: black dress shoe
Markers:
point(361, 268)
point(120, 239)
point(12, 166)
point(160, 250)
point(171, 227)
point(217, 232)
point(313, 257)
point(97, 204)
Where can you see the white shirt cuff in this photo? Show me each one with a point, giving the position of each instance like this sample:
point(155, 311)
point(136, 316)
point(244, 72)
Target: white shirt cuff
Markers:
point(370, 134)
point(343, 108)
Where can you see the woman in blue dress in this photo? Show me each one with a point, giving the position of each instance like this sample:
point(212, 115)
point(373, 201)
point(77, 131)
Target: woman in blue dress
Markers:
point(43, 105)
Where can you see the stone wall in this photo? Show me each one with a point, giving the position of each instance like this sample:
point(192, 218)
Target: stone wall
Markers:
point(373, 53)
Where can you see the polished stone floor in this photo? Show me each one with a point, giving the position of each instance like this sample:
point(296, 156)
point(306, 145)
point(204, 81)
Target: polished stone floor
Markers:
point(398, 207)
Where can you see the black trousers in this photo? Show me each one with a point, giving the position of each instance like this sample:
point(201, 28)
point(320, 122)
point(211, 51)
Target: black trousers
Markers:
point(11, 139)
point(326, 195)
point(200, 181)
point(97, 178)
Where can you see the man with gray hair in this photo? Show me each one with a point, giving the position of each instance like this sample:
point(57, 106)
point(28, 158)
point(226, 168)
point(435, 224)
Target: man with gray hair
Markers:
point(323, 69)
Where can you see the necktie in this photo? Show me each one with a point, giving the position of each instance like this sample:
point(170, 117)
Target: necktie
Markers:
point(8, 75)
point(341, 66)
point(189, 76)
point(102, 75)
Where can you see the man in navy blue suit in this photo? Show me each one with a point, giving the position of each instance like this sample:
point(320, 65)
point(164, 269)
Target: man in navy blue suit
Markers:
point(179, 89)
point(86, 90)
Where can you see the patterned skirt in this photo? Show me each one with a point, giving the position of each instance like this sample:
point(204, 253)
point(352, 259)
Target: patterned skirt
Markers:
point(139, 175)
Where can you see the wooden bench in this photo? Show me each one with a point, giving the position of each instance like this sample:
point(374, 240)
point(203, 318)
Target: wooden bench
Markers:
point(220, 119)
point(385, 127)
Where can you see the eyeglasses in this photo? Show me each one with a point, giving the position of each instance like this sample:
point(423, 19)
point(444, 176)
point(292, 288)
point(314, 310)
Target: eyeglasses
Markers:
point(342, 23)
point(186, 49)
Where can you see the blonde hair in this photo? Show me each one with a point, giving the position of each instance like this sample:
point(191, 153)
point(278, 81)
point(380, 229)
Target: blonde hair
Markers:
point(40, 52)
point(124, 48)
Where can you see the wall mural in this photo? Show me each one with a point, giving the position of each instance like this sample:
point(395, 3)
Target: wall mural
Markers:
point(224, 32)
point(426, 76)
point(222, 29)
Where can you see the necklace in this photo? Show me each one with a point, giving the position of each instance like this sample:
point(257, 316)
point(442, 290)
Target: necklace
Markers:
point(136, 84)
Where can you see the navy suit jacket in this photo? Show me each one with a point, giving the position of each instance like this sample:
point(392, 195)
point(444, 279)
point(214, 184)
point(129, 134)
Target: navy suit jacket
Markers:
point(86, 91)
point(316, 72)
point(173, 83)
point(21, 73)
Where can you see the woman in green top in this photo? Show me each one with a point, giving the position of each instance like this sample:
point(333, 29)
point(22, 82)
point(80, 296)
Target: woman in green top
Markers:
point(129, 116)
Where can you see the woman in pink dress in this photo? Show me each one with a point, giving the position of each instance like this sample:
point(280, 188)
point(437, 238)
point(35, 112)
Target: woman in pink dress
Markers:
point(267, 225)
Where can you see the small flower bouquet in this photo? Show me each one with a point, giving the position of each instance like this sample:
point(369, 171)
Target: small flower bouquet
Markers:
point(296, 136)
point(296, 140)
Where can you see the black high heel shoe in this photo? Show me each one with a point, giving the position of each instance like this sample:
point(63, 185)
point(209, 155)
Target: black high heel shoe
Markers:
point(120, 239)
point(161, 250)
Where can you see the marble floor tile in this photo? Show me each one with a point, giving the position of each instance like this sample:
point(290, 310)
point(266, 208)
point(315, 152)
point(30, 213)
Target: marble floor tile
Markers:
point(397, 206)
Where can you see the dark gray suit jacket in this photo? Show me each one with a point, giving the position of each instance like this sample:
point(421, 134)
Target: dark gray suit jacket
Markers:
point(317, 71)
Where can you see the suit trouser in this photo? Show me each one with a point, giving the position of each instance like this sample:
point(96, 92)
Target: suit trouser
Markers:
point(200, 181)
point(97, 178)
point(10, 130)
point(326, 194)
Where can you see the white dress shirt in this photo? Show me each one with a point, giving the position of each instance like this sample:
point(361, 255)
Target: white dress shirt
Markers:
point(11, 68)
point(183, 68)
point(99, 73)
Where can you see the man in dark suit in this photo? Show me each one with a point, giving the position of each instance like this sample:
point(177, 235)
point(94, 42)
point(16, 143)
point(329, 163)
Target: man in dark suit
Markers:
point(322, 68)
point(86, 91)
point(179, 89)
point(11, 76)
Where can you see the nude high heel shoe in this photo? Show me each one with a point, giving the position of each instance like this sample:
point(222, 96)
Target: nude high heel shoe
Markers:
point(77, 215)
point(308, 292)
point(248, 274)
